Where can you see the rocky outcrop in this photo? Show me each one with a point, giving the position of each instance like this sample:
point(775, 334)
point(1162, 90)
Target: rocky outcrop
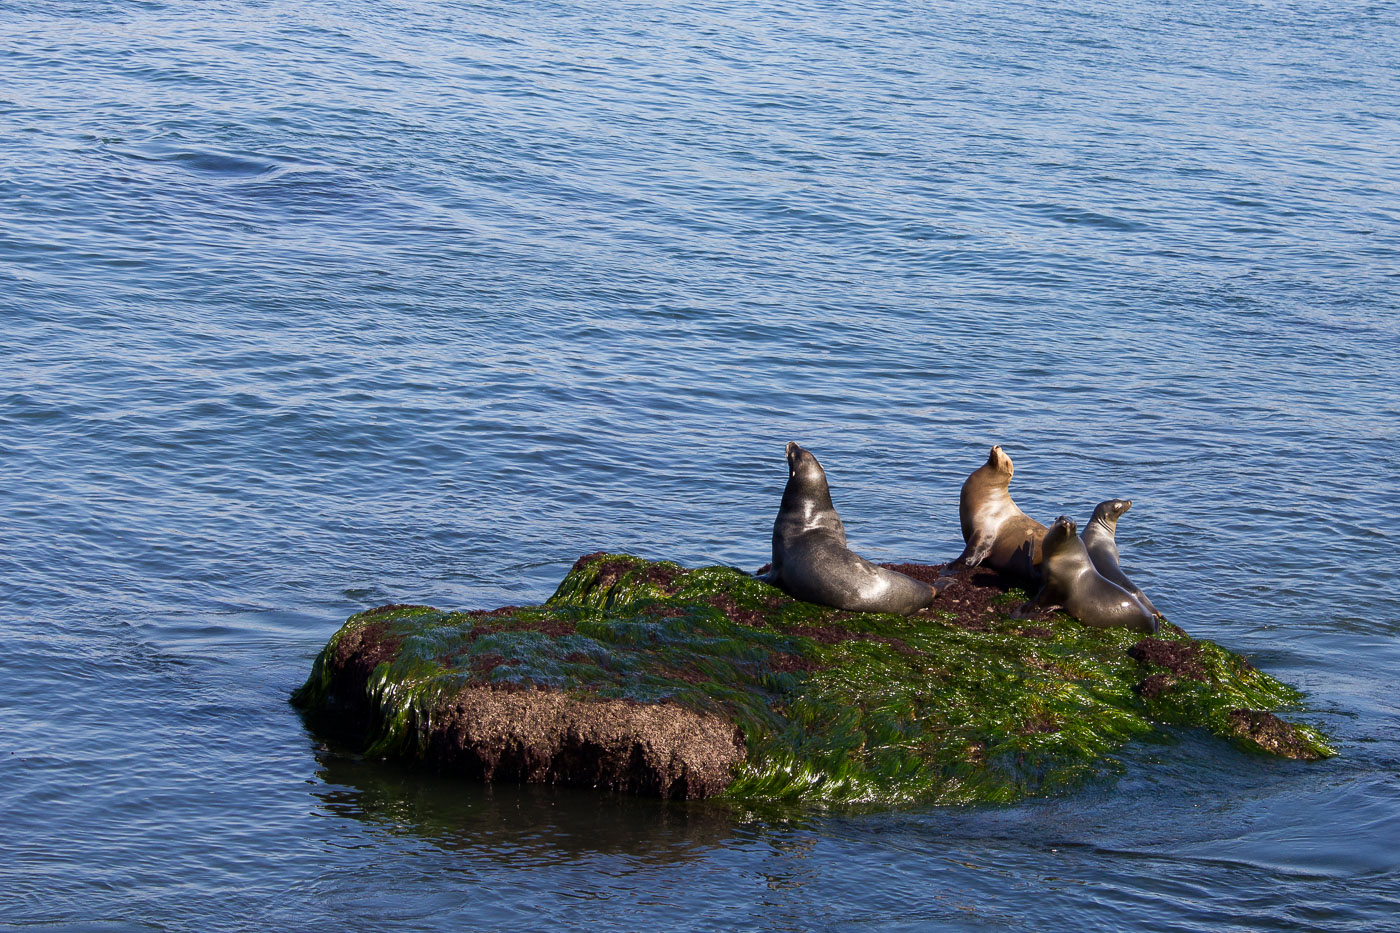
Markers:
point(644, 677)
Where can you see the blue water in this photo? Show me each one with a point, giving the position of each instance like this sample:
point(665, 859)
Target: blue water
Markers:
point(307, 307)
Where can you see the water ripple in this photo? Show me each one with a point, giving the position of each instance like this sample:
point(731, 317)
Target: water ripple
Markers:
point(322, 305)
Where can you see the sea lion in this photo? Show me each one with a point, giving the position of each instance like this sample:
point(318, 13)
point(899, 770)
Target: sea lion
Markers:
point(1072, 582)
point(1103, 550)
point(996, 531)
point(810, 557)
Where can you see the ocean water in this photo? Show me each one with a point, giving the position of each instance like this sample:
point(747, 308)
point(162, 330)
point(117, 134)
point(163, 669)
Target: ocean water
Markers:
point(308, 307)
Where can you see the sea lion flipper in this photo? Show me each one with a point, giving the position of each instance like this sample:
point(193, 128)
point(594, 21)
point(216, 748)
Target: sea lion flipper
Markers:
point(942, 583)
point(978, 547)
point(1041, 601)
point(1030, 608)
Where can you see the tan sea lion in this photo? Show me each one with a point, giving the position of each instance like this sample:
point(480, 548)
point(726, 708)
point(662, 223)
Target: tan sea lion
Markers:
point(811, 560)
point(1071, 582)
point(996, 531)
point(1098, 538)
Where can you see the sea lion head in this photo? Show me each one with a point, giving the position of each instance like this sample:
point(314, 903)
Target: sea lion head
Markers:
point(1110, 510)
point(1060, 533)
point(1000, 462)
point(803, 468)
point(806, 479)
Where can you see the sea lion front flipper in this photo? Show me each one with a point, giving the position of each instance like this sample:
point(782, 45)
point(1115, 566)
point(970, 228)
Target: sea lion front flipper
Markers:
point(978, 547)
point(1040, 602)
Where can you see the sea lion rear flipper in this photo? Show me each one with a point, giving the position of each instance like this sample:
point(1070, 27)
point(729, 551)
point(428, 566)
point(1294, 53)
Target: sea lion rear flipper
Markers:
point(942, 583)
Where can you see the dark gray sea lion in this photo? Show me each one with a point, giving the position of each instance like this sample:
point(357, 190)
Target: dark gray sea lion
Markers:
point(1071, 582)
point(1103, 549)
point(810, 557)
point(996, 531)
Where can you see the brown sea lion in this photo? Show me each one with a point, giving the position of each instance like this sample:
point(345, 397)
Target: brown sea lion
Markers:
point(1098, 538)
point(1071, 582)
point(810, 558)
point(996, 531)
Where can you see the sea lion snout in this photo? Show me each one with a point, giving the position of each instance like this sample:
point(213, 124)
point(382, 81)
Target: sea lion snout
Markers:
point(1064, 525)
point(803, 463)
point(1000, 462)
point(794, 456)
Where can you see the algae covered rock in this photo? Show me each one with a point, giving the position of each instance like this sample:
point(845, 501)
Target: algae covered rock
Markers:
point(646, 677)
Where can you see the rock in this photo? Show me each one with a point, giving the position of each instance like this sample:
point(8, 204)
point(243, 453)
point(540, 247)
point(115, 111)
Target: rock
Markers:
point(1265, 732)
point(645, 677)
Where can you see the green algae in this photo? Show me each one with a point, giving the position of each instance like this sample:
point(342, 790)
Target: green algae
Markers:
point(833, 706)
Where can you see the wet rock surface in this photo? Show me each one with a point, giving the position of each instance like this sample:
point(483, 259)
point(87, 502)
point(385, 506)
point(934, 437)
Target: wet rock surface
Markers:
point(1181, 659)
point(1273, 735)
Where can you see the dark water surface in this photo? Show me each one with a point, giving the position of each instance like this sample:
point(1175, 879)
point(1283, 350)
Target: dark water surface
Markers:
point(307, 307)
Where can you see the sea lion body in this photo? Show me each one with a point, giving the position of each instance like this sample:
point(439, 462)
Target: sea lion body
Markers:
point(1098, 538)
point(811, 560)
point(996, 531)
point(1071, 581)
